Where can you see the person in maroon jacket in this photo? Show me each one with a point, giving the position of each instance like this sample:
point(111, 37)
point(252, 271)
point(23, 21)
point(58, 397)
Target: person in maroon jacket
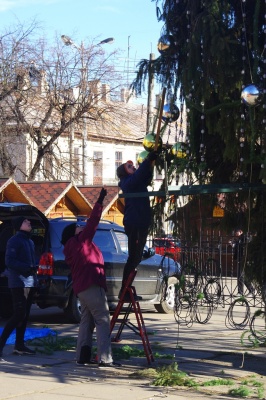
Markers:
point(89, 284)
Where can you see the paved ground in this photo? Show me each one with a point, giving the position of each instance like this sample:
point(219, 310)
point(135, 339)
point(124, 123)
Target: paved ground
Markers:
point(203, 351)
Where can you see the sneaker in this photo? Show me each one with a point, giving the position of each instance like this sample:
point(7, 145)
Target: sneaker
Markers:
point(109, 365)
point(23, 350)
point(1, 356)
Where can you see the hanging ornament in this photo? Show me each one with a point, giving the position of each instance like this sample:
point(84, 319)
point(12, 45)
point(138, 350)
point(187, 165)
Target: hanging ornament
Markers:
point(166, 45)
point(142, 155)
point(251, 95)
point(170, 113)
point(149, 142)
point(178, 150)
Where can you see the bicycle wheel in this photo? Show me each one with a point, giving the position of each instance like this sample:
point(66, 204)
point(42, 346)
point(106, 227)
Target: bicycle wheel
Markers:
point(191, 282)
point(212, 291)
point(238, 314)
point(184, 311)
point(203, 311)
point(258, 325)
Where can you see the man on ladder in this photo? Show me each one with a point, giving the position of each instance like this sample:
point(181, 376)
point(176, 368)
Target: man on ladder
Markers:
point(137, 219)
point(137, 214)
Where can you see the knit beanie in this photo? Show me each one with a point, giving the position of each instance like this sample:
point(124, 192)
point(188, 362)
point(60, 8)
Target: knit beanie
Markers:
point(17, 222)
point(68, 232)
point(121, 172)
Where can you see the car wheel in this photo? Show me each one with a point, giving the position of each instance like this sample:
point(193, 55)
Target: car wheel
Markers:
point(167, 304)
point(73, 311)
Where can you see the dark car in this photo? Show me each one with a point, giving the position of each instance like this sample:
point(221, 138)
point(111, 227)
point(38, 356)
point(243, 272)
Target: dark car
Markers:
point(54, 278)
point(168, 246)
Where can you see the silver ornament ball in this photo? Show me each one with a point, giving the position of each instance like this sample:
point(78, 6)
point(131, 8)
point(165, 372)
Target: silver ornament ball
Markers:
point(170, 113)
point(251, 95)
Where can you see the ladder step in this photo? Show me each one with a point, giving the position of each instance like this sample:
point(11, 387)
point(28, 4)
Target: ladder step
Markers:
point(124, 321)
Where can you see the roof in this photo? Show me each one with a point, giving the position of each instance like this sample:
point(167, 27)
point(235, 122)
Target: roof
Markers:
point(55, 197)
point(46, 195)
point(91, 193)
point(10, 190)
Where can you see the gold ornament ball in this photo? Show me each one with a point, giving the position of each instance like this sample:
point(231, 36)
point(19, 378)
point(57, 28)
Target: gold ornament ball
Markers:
point(166, 45)
point(142, 155)
point(178, 150)
point(149, 142)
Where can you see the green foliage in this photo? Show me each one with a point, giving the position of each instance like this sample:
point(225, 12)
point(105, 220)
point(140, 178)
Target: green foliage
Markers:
point(218, 382)
point(50, 344)
point(125, 352)
point(248, 387)
point(171, 376)
point(213, 57)
point(247, 339)
point(200, 296)
point(241, 391)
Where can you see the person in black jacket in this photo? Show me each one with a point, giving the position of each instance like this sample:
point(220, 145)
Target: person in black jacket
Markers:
point(137, 214)
point(21, 268)
point(239, 251)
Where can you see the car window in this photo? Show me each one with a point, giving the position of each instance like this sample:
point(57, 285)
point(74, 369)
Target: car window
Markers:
point(166, 243)
point(56, 229)
point(104, 240)
point(122, 240)
point(37, 236)
point(175, 243)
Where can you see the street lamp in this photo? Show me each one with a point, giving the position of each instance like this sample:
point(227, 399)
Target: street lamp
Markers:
point(69, 42)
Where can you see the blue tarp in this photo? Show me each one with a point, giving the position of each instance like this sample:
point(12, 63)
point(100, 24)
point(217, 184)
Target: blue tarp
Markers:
point(31, 333)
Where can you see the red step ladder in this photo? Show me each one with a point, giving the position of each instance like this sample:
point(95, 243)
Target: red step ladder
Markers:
point(140, 328)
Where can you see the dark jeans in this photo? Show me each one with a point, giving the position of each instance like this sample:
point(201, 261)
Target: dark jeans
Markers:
point(22, 301)
point(136, 241)
point(242, 280)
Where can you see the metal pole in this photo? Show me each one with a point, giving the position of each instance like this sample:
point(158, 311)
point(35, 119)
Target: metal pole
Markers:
point(128, 48)
point(71, 147)
point(150, 95)
point(84, 84)
point(85, 179)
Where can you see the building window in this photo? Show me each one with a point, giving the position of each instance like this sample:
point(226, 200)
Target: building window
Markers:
point(97, 168)
point(118, 159)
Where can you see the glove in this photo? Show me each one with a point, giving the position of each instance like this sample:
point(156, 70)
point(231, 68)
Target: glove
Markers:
point(153, 155)
point(102, 195)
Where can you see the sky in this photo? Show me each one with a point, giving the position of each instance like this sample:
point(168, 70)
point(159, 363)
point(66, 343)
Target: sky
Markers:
point(132, 23)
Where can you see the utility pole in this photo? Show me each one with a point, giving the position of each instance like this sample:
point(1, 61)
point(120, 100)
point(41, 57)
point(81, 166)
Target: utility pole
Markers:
point(83, 95)
point(128, 49)
point(150, 95)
